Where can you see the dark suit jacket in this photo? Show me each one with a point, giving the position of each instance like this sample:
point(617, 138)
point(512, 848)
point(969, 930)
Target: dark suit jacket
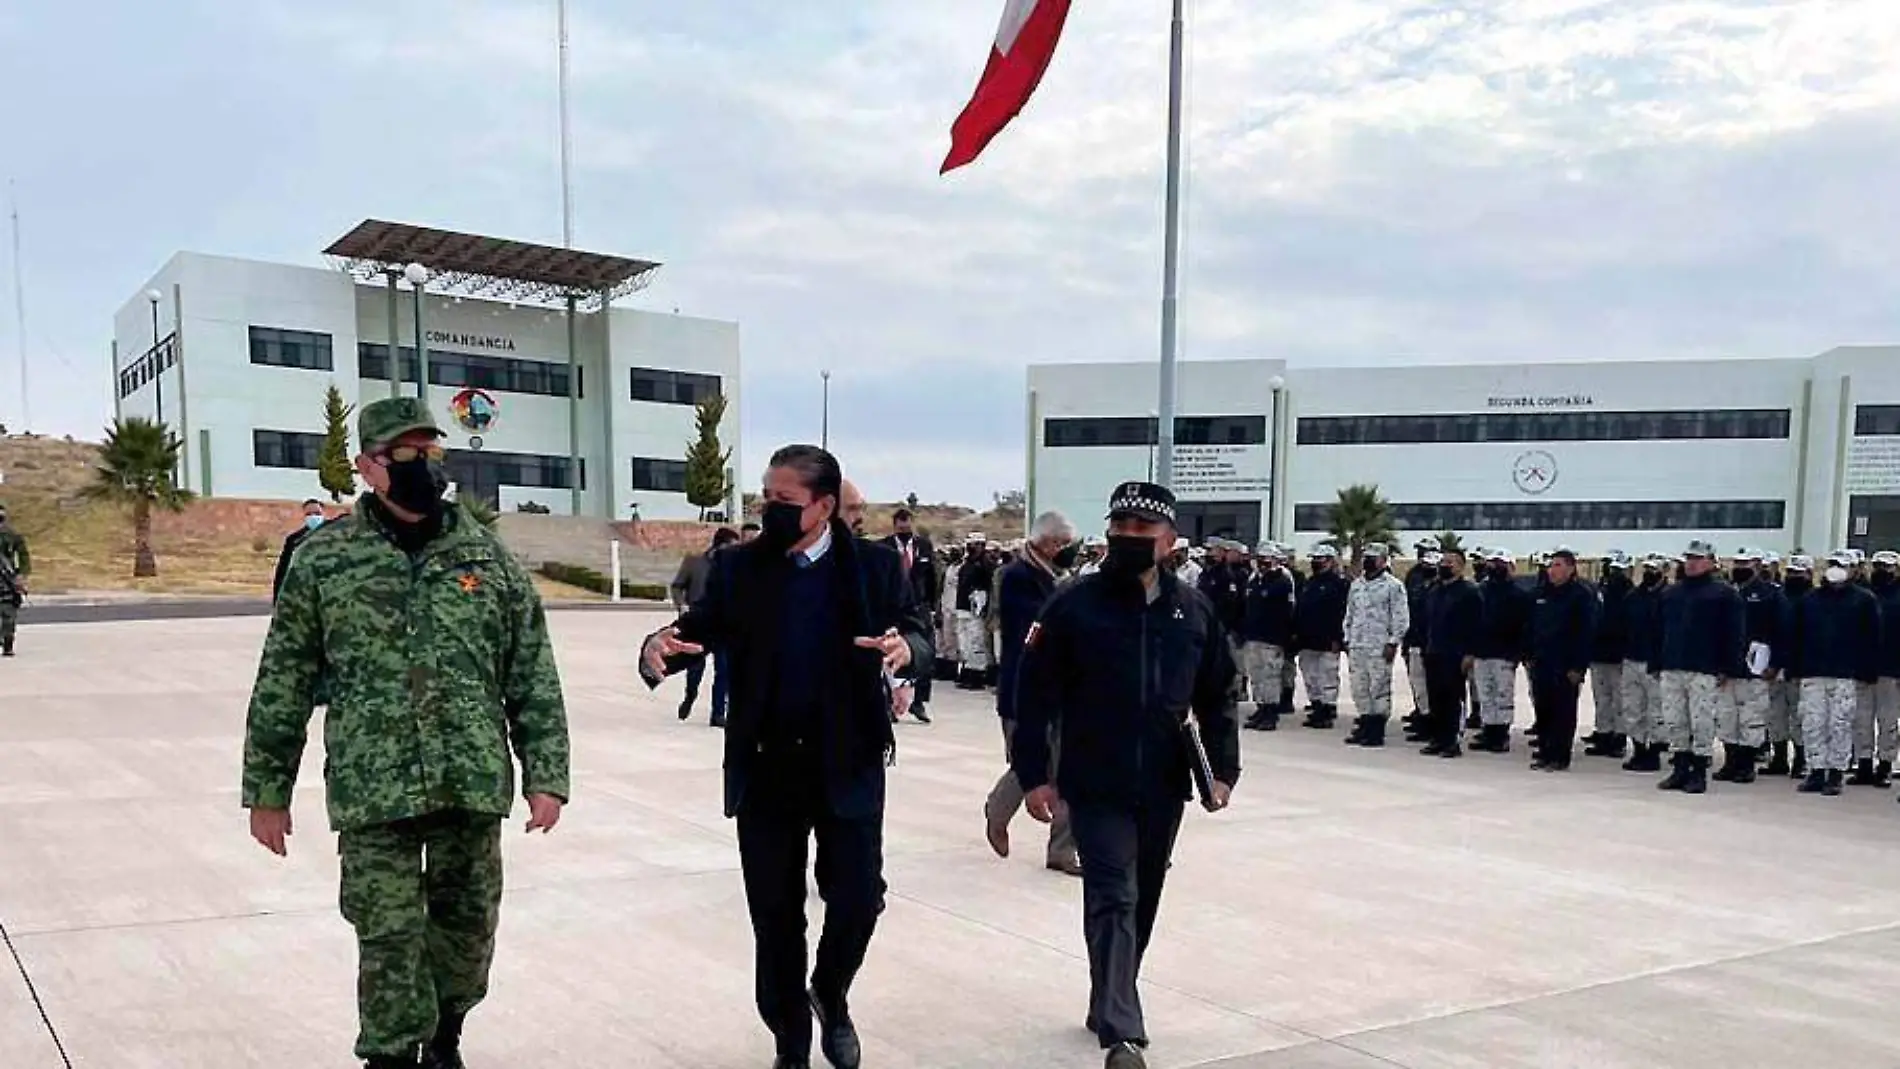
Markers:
point(923, 572)
point(740, 614)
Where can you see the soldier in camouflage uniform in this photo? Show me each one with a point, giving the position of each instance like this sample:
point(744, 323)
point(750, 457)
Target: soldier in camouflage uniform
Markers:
point(1378, 613)
point(15, 564)
point(435, 650)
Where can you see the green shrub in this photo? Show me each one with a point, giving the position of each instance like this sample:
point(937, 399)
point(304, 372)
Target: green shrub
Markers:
point(590, 579)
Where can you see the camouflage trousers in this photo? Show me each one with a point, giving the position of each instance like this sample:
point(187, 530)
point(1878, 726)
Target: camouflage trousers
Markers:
point(1264, 664)
point(424, 896)
point(1827, 721)
point(973, 641)
point(1371, 676)
point(1497, 690)
point(1415, 678)
point(1743, 719)
point(1320, 670)
point(1641, 704)
point(1691, 704)
point(9, 622)
point(1784, 703)
point(1606, 696)
point(1880, 711)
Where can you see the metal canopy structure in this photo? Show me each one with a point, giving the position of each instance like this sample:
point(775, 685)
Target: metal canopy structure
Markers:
point(495, 268)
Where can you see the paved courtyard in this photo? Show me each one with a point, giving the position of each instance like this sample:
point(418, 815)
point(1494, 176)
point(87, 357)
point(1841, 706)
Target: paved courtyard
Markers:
point(1354, 910)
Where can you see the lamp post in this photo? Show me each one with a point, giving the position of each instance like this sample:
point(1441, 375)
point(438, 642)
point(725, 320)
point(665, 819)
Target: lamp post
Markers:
point(152, 297)
point(418, 277)
point(1278, 385)
point(824, 427)
point(1154, 448)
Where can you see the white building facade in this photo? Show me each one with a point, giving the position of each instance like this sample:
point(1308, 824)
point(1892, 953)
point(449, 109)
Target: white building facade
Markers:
point(1638, 456)
point(237, 356)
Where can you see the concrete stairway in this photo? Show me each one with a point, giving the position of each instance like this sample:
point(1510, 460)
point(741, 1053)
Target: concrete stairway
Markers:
point(583, 541)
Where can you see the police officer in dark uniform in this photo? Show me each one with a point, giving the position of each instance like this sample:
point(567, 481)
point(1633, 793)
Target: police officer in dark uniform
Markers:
point(1418, 586)
point(1119, 661)
point(1563, 628)
point(1454, 616)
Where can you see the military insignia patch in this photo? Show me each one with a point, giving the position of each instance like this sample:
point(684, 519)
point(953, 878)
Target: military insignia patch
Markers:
point(470, 582)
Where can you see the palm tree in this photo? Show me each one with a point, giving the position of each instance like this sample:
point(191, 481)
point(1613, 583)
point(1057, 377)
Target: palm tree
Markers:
point(137, 470)
point(1449, 542)
point(1360, 516)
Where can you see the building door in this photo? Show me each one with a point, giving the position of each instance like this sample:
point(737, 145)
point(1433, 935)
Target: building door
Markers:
point(1873, 523)
point(474, 479)
point(1200, 520)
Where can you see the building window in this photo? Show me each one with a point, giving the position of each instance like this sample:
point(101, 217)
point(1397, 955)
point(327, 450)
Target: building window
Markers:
point(666, 476)
point(1570, 516)
point(673, 387)
point(285, 449)
point(449, 368)
point(304, 349)
point(1090, 431)
point(1876, 419)
point(1585, 426)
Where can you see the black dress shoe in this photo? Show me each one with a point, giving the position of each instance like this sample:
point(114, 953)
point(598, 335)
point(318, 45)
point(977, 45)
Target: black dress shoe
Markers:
point(784, 1061)
point(837, 1036)
point(1125, 1056)
point(917, 710)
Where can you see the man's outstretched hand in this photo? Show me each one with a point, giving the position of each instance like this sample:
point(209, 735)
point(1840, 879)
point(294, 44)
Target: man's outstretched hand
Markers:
point(665, 644)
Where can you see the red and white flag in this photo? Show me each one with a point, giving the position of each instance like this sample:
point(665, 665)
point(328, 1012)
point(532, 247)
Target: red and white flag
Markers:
point(1025, 43)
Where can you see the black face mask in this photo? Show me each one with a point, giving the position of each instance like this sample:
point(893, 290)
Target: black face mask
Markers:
point(1652, 577)
point(1128, 556)
point(1883, 576)
point(1065, 557)
point(1447, 572)
point(1741, 576)
point(782, 525)
point(1370, 565)
point(417, 485)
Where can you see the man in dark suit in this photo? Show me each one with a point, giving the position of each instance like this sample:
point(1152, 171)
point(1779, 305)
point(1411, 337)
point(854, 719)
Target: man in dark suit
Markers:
point(811, 618)
point(920, 564)
point(312, 519)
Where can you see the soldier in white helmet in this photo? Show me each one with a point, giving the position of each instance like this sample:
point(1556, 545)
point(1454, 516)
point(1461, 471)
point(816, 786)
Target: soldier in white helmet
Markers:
point(1834, 650)
point(1501, 647)
point(1875, 738)
point(1418, 588)
point(1742, 723)
point(1640, 703)
point(1266, 636)
point(1319, 627)
point(1607, 654)
point(1789, 755)
point(1377, 618)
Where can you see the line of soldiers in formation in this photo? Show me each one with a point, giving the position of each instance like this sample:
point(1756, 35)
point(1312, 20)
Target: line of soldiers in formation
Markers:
point(1795, 675)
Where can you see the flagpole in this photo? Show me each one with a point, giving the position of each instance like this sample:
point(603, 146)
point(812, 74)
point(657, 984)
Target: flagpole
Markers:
point(1171, 260)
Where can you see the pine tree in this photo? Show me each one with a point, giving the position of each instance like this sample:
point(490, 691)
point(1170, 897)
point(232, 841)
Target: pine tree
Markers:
point(708, 479)
point(333, 461)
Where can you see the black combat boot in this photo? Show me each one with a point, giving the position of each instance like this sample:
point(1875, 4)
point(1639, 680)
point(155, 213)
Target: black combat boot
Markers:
point(1608, 744)
point(1883, 775)
point(1375, 732)
point(1833, 787)
point(1698, 781)
point(445, 1050)
point(390, 1061)
point(1745, 766)
point(1318, 716)
point(1270, 720)
point(1799, 766)
point(1731, 756)
point(1863, 773)
point(1359, 729)
point(1679, 774)
point(1778, 762)
point(1813, 782)
point(1473, 721)
point(1259, 714)
point(1493, 738)
point(1644, 757)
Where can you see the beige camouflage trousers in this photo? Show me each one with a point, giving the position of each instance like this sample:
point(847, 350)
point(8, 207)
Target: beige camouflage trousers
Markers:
point(1497, 690)
point(1877, 722)
point(1784, 703)
point(1606, 697)
point(1691, 704)
point(1743, 720)
point(1264, 664)
point(1415, 678)
point(1320, 671)
point(1827, 721)
point(1371, 682)
point(1641, 703)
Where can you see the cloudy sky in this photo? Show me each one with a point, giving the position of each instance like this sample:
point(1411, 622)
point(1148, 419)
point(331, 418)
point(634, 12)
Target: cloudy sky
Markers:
point(1372, 182)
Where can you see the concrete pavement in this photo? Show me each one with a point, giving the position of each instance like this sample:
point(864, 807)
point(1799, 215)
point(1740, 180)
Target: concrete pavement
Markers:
point(1354, 910)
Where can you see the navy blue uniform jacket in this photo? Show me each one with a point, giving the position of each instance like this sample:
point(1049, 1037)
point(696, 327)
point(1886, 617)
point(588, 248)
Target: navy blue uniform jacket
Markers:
point(1835, 635)
point(1888, 593)
point(1563, 628)
point(1703, 623)
point(1507, 618)
point(1319, 617)
point(1025, 589)
point(1418, 586)
point(1613, 625)
point(1119, 675)
point(1269, 615)
point(1455, 613)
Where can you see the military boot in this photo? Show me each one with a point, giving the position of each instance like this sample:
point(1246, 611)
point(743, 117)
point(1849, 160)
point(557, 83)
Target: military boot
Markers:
point(445, 1050)
point(1778, 762)
point(390, 1061)
point(1359, 730)
point(1270, 719)
point(1609, 744)
point(1493, 738)
point(1698, 780)
point(1679, 774)
point(1259, 715)
point(1318, 715)
point(1644, 757)
point(1473, 721)
point(1833, 786)
point(1745, 766)
point(1883, 775)
point(1813, 783)
point(1375, 732)
point(1799, 766)
point(1863, 773)
point(1731, 757)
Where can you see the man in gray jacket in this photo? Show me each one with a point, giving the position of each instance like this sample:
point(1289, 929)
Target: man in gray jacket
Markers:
point(1378, 613)
point(688, 587)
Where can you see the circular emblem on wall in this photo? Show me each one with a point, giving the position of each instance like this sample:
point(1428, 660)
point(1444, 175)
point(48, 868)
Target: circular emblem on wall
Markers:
point(475, 442)
point(475, 410)
point(1534, 472)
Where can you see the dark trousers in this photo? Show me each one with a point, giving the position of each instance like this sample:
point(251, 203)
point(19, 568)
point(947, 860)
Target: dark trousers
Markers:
point(920, 687)
point(1555, 699)
point(696, 673)
point(1125, 856)
point(784, 809)
point(1445, 691)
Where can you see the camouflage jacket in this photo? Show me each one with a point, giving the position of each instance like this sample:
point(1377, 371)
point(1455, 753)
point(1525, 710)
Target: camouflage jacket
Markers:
point(15, 561)
point(434, 667)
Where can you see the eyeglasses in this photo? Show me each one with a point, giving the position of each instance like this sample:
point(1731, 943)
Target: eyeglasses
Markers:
point(403, 454)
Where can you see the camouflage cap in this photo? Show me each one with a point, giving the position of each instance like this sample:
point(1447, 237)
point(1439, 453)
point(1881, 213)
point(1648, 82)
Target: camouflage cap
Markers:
point(384, 421)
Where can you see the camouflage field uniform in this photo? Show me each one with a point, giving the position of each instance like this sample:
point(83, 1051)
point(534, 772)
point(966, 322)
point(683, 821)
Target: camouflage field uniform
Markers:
point(1691, 703)
point(436, 666)
point(15, 564)
point(1377, 616)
